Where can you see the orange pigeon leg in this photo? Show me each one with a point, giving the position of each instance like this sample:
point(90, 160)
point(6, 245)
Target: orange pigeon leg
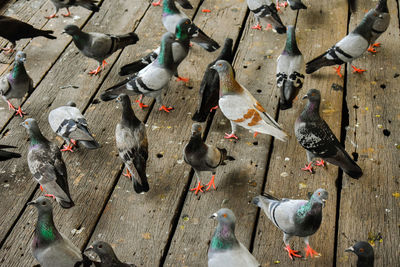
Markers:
point(211, 183)
point(165, 108)
point(158, 3)
point(311, 252)
point(127, 174)
point(292, 252)
point(257, 27)
point(357, 70)
point(141, 105)
point(197, 188)
point(320, 163)
point(338, 71)
point(68, 13)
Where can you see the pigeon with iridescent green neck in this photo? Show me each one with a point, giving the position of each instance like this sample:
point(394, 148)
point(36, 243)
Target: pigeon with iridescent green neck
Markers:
point(294, 217)
point(225, 250)
point(49, 247)
point(47, 166)
point(17, 83)
point(289, 70)
point(107, 255)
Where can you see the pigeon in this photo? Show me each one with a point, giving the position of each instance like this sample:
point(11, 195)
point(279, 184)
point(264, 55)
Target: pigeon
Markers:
point(289, 71)
point(265, 10)
point(14, 30)
point(225, 250)
point(99, 46)
point(202, 157)
point(364, 252)
point(180, 49)
point(6, 155)
point(296, 4)
point(183, 3)
point(171, 17)
point(131, 139)
point(294, 217)
point(314, 134)
point(241, 108)
point(16, 84)
point(88, 4)
point(49, 247)
point(209, 87)
point(107, 255)
point(47, 166)
point(349, 48)
point(151, 80)
point(380, 25)
point(69, 123)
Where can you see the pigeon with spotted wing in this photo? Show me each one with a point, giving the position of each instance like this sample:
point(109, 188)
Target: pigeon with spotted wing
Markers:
point(364, 252)
point(88, 4)
point(47, 166)
point(314, 134)
point(265, 10)
point(107, 255)
point(294, 217)
point(69, 123)
point(241, 108)
point(225, 250)
point(6, 155)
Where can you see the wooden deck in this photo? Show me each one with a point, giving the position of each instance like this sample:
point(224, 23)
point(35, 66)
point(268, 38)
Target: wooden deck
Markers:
point(169, 225)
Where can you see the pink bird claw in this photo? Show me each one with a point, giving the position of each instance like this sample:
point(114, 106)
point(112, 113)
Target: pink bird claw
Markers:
point(311, 252)
point(182, 79)
point(197, 188)
point(52, 16)
point(158, 3)
point(10, 106)
point(127, 174)
point(229, 136)
point(50, 195)
point(214, 108)
point(19, 112)
point(308, 167)
point(320, 163)
point(96, 71)
point(211, 183)
point(257, 27)
point(67, 148)
point(269, 27)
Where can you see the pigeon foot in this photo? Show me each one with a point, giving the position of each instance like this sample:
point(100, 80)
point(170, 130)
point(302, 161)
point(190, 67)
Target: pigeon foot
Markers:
point(182, 79)
point(19, 112)
point(158, 3)
point(257, 27)
point(50, 195)
point(320, 163)
point(96, 71)
point(308, 167)
point(8, 50)
point(338, 71)
point(10, 106)
point(269, 27)
point(52, 16)
point(67, 148)
point(292, 253)
point(255, 134)
point(311, 252)
point(165, 108)
point(127, 174)
point(141, 105)
point(67, 15)
point(229, 136)
point(206, 10)
point(357, 70)
point(214, 108)
point(197, 188)
point(211, 183)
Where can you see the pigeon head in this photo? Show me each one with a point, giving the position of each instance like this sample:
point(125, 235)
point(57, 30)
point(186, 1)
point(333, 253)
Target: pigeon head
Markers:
point(123, 99)
point(320, 196)
point(71, 104)
point(224, 216)
point(363, 250)
point(104, 250)
point(183, 29)
point(221, 66)
point(71, 29)
point(43, 204)
point(196, 128)
point(313, 95)
point(20, 57)
point(30, 124)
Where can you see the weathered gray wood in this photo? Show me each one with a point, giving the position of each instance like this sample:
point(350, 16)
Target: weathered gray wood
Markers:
point(318, 28)
point(145, 222)
point(85, 173)
point(370, 206)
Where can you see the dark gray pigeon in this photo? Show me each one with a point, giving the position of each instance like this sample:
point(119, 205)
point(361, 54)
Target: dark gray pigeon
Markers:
point(314, 134)
point(49, 247)
point(296, 4)
point(364, 252)
point(14, 30)
point(6, 155)
point(203, 158)
point(289, 70)
point(17, 83)
point(265, 10)
point(99, 46)
point(294, 217)
point(225, 250)
point(183, 3)
point(349, 48)
point(380, 25)
point(209, 87)
point(131, 138)
point(47, 166)
point(69, 123)
point(171, 17)
point(88, 4)
point(180, 49)
point(107, 255)
point(151, 80)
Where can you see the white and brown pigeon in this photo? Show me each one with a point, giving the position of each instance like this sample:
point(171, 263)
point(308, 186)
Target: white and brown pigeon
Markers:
point(241, 108)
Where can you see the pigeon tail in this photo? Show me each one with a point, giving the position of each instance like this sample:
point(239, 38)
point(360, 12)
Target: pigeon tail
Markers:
point(200, 116)
point(319, 62)
point(138, 65)
point(121, 41)
point(285, 104)
point(140, 183)
point(348, 165)
point(90, 144)
point(204, 41)
point(5, 155)
point(264, 198)
point(298, 6)
point(114, 91)
point(225, 156)
point(66, 204)
point(46, 34)
point(185, 4)
point(89, 4)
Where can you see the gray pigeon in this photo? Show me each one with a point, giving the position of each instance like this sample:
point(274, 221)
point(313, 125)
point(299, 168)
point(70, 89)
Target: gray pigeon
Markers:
point(171, 17)
point(225, 250)
point(294, 217)
point(296, 4)
point(131, 138)
point(314, 134)
point(349, 48)
point(99, 46)
point(183, 3)
point(47, 166)
point(88, 4)
point(180, 49)
point(380, 25)
point(289, 71)
point(265, 10)
point(6, 155)
point(17, 83)
point(69, 123)
point(202, 157)
point(364, 252)
point(107, 255)
point(49, 247)
point(151, 80)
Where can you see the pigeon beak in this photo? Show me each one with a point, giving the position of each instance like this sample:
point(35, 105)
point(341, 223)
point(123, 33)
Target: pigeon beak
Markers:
point(31, 203)
point(213, 67)
point(304, 97)
point(323, 202)
point(350, 249)
point(89, 248)
point(214, 216)
point(63, 32)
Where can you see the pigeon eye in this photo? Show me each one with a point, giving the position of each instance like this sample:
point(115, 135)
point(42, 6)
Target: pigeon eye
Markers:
point(224, 215)
point(44, 203)
point(319, 193)
point(100, 246)
point(361, 250)
point(26, 123)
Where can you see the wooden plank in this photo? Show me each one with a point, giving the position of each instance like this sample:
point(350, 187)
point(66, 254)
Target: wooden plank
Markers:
point(72, 66)
point(285, 179)
point(369, 206)
point(239, 181)
point(145, 221)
